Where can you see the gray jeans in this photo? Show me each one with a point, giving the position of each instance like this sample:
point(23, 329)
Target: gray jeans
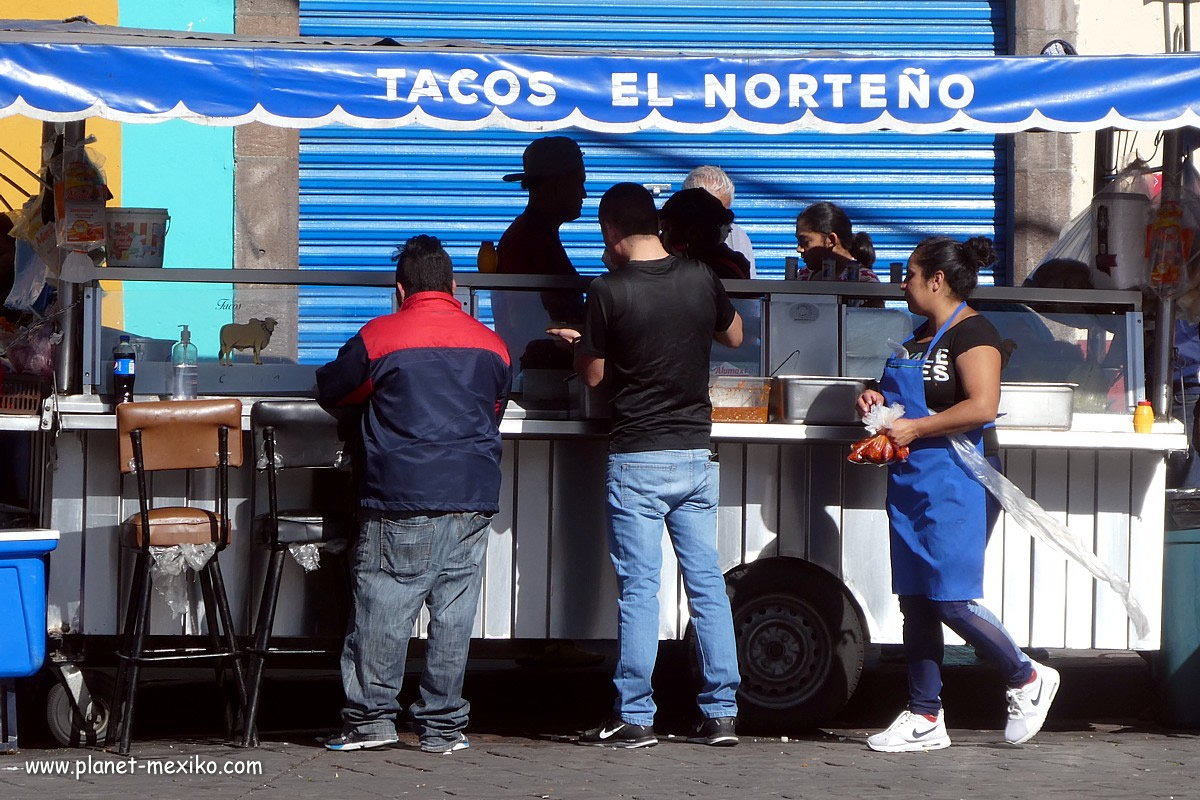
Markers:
point(401, 561)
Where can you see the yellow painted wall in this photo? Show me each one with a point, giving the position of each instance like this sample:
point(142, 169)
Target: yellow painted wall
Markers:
point(21, 137)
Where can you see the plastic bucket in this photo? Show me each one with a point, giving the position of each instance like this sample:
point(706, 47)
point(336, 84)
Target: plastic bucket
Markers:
point(136, 237)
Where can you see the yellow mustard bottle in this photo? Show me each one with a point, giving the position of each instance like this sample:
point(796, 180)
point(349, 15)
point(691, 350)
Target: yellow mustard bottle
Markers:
point(486, 260)
point(1143, 417)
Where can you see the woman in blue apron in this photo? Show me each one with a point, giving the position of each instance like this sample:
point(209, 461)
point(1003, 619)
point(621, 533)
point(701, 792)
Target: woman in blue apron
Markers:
point(940, 516)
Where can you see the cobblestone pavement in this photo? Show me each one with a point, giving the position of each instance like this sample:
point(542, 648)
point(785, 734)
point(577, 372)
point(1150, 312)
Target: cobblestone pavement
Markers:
point(1104, 761)
point(1083, 753)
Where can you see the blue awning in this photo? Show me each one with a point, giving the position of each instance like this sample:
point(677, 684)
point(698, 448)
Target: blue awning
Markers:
point(57, 72)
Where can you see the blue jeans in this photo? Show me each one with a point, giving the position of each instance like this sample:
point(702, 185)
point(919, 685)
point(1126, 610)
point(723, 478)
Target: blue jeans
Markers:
point(679, 487)
point(401, 561)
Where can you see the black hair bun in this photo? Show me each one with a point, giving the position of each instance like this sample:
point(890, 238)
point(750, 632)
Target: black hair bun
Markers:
point(980, 252)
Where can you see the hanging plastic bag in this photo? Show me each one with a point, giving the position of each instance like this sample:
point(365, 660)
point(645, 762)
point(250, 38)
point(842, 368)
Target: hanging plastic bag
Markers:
point(308, 555)
point(1074, 242)
point(1034, 519)
point(1168, 243)
point(167, 571)
point(878, 448)
point(29, 292)
point(80, 195)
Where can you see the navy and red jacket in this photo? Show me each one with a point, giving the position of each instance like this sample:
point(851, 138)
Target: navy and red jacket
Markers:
point(432, 383)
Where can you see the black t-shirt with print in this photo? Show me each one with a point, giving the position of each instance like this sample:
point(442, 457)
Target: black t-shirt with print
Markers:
point(653, 323)
point(943, 388)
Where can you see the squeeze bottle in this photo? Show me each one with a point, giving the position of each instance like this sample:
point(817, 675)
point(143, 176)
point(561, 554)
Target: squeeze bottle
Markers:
point(184, 367)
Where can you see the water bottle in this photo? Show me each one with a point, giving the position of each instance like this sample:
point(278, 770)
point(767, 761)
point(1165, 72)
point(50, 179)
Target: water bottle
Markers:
point(124, 359)
point(486, 260)
point(184, 367)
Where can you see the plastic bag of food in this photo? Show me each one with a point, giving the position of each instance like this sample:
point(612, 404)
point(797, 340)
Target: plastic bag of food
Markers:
point(80, 195)
point(31, 352)
point(1034, 519)
point(878, 448)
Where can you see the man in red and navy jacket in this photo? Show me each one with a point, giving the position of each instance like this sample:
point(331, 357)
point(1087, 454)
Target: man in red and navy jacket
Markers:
point(432, 384)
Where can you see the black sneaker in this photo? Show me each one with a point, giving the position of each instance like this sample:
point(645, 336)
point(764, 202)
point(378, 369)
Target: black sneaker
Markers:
point(616, 733)
point(353, 739)
point(717, 732)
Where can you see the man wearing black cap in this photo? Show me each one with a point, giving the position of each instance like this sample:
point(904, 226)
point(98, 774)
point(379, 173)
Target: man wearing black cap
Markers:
point(553, 175)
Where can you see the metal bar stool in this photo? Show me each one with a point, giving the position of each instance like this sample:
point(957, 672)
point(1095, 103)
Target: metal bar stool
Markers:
point(168, 435)
point(292, 434)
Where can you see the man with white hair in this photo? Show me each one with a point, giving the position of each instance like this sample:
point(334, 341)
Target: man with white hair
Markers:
point(717, 183)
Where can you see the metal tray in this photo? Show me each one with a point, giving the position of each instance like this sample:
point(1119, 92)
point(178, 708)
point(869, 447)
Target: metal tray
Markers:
point(815, 399)
point(1042, 406)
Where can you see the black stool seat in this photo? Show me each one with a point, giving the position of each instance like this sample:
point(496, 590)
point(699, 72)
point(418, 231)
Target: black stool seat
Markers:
point(305, 526)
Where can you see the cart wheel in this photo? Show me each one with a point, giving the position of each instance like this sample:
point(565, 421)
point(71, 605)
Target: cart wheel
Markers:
point(89, 725)
point(800, 644)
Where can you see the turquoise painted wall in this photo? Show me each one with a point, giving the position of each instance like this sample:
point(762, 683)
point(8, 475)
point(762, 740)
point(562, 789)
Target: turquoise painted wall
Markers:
point(188, 170)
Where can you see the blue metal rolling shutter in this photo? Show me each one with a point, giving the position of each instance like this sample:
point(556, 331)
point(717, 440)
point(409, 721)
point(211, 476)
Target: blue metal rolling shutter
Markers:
point(362, 191)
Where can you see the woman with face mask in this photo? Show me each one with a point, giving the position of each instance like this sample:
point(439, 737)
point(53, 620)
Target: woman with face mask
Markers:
point(694, 225)
point(948, 380)
point(824, 237)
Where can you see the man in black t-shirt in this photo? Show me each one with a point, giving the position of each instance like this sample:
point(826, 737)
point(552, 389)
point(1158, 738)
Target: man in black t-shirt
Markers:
point(650, 326)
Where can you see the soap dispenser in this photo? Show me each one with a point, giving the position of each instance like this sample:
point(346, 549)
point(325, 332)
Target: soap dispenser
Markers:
point(184, 359)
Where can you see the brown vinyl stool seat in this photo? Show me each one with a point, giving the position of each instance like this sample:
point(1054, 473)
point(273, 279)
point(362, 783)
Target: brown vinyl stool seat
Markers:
point(290, 437)
point(175, 435)
point(171, 526)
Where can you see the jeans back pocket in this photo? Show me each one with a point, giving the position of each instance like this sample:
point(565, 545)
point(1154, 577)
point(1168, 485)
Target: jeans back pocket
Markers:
point(406, 546)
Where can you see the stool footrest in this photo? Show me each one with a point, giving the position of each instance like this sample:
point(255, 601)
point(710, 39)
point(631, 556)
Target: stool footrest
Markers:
point(151, 657)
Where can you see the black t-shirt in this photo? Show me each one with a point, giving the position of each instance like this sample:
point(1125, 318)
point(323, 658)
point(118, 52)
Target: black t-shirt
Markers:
point(653, 324)
point(943, 388)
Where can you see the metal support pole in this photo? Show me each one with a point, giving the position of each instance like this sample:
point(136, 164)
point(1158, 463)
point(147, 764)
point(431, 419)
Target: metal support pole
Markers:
point(68, 364)
point(1164, 322)
point(1102, 165)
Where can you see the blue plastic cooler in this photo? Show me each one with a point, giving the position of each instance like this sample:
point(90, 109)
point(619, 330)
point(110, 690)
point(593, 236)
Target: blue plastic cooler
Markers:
point(23, 600)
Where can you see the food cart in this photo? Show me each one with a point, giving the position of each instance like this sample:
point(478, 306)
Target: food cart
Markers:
point(801, 533)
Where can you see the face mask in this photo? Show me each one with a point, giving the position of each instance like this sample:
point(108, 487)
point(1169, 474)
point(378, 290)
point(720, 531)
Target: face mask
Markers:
point(725, 229)
point(606, 260)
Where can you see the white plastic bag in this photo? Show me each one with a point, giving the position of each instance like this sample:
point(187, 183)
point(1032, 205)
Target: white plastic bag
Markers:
point(880, 417)
point(167, 571)
point(308, 555)
point(1034, 519)
point(1074, 241)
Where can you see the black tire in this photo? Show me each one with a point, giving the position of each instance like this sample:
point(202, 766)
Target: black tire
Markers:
point(800, 644)
point(72, 729)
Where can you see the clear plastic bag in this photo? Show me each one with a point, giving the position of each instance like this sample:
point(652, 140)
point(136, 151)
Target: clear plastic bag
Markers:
point(1034, 519)
point(308, 555)
point(167, 571)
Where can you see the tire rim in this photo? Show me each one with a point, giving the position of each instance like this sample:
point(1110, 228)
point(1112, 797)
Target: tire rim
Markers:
point(786, 650)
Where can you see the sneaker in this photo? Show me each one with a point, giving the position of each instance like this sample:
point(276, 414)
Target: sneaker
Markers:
point(910, 733)
point(1029, 704)
point(616, 733)
point(716, 731)
point(353, 739)
point(460, 742)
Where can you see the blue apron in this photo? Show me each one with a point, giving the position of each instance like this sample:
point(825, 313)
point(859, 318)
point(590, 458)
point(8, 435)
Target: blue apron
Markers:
point(938, 513)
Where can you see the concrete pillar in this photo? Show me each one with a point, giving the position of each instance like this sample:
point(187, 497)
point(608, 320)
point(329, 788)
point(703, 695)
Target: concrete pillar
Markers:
point(267, 191)
point(1044, 167)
